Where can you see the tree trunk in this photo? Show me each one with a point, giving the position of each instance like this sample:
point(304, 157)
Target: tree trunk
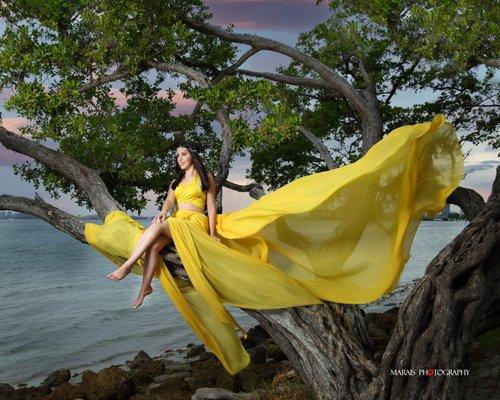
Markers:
point(328, 345)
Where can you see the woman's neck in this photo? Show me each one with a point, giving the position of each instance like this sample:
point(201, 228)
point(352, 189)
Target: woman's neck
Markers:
point(190, 172)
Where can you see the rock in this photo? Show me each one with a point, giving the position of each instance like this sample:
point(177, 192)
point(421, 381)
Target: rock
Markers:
point(143, 368)
point(145, 372)
point(214, 394)
point(274, 351)
point(174, 376)
point(111, 383)
point(195, 351)
point(257, 355)
point(207, 356)
point(6, 391)
point(255, 335)
point(143, 396)
point(178, 367)
point(172, 388)
point(30, 393)
point(66, 391)
point(210, 373)
point(140, 358)
point(255, 376)
point(57, 377)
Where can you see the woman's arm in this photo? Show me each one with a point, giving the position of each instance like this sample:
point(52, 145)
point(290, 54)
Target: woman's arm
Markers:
point(212, 212)
point(169, 200)
point(167, 205)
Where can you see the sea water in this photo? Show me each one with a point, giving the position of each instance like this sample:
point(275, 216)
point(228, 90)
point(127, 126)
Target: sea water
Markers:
point(58, 309)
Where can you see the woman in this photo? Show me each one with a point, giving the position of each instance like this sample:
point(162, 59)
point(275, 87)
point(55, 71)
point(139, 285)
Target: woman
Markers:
point(192, 188)
point(341, 235)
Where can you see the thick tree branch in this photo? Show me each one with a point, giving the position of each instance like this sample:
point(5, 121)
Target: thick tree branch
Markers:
point(255, 190)
point(191, 73)
point(490, 62)
point(39, 208)
point(85, 178)
point(469, 201)
point(289, 80)
point(120, 73)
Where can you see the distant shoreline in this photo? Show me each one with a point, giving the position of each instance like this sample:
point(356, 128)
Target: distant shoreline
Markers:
point(16, 215)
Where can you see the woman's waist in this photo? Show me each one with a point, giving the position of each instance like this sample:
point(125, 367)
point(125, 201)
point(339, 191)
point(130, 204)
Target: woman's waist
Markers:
point(189, 210)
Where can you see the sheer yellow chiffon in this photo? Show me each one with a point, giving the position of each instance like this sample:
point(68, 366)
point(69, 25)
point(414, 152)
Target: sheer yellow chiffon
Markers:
point(341, 235)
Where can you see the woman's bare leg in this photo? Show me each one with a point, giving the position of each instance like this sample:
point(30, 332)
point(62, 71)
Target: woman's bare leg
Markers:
point(151, 261)
point(148, 238)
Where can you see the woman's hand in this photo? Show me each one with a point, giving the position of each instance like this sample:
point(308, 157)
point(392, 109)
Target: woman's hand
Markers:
point(215, 236)
point(159, 218)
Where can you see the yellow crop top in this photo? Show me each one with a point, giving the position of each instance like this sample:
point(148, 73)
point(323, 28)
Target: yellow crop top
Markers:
point(191, 193)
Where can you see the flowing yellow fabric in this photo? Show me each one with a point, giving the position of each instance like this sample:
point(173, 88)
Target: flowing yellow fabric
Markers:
point(341, 235)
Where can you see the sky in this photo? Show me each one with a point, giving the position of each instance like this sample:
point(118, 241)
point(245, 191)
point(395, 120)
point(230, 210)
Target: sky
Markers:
point(281, 20)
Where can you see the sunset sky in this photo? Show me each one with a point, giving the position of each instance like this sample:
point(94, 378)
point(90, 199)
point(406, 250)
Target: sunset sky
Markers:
point(281, 20)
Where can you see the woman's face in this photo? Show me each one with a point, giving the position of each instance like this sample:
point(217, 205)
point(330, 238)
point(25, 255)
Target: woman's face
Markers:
point(184, 158)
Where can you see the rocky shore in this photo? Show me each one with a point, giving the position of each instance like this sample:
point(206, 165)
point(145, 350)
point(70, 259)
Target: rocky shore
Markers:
point(194, 373)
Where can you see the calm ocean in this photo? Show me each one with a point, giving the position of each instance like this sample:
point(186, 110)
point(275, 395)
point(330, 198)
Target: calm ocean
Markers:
point(58, 310)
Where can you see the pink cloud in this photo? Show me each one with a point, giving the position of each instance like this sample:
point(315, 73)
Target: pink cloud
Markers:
point(13, 124)
point(9, 157)
point(120, 98)
point(270, 14)
point(5, 94)
point(183, 104)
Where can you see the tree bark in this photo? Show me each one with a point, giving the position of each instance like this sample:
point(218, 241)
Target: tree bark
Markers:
point(61, 220)
point(469, 201)
point(328, 345)
point(85, 178)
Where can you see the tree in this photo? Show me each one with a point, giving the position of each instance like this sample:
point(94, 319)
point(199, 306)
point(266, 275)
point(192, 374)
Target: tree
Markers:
point(60, 57)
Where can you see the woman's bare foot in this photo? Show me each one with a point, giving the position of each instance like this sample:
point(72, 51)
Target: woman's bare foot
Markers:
point(120, 273)
point(141, 297)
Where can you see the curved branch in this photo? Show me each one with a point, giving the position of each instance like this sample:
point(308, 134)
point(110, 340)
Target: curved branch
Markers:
point(255, 190)
point(39, 208)
point(191, 73)
point(289, 80)
point(490, 62)
point(469, 201)
point(85, 178)
point(230, 70)
point(120, 73)
point(338, 82)
point(320, 146)
point(222, 116)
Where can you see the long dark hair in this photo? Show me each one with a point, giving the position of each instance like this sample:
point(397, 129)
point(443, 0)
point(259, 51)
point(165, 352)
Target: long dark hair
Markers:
point(194, 149)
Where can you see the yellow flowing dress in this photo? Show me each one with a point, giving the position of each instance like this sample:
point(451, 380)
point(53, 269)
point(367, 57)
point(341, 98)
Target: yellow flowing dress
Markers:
point(341, 235)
